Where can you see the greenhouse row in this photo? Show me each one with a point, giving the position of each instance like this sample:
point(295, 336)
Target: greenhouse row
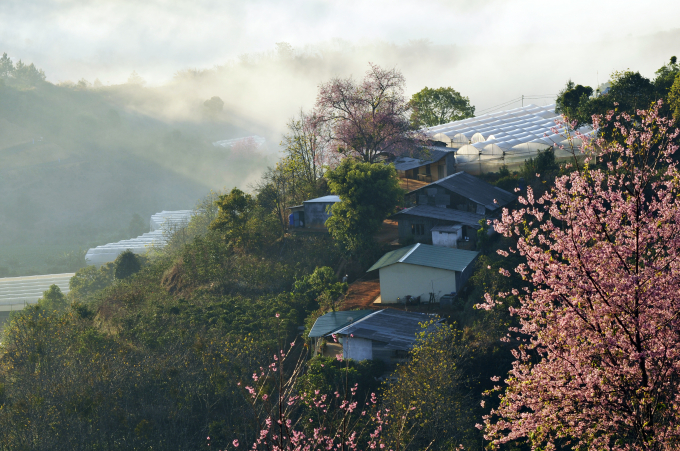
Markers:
point(16, 292)
point(519, 131)
point(162, 226)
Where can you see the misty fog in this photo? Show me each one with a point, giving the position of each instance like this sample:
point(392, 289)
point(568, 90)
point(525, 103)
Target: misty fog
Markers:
point(106, 152)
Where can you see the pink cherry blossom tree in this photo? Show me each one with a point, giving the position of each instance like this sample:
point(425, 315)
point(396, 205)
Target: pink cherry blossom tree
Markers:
point(368, 119)
point(598, 362)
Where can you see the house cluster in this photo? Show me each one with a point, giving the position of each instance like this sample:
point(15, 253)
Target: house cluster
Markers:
point(440, 222)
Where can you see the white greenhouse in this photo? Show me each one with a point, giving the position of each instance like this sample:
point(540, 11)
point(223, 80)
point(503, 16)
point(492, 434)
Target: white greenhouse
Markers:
point(17, 292)
point(519, 132)
point(162, 226)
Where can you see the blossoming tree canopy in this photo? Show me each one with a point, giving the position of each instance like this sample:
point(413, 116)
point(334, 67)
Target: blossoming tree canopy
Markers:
point(599, 362)
point(368, 119)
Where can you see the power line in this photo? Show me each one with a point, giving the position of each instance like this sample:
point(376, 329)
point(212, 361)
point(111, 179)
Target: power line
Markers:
point(510, 102)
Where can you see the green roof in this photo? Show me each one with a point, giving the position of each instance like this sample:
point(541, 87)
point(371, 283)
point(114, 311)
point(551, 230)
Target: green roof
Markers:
point(427, 255)
point(335, 320)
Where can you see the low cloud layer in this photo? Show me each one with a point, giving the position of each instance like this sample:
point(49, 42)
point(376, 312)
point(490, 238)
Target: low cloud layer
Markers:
point(490, 50)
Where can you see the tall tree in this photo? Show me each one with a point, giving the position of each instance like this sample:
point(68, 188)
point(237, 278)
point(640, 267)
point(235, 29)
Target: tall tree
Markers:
point(571, 100)
point(126, 264)
point(674, 99)
point(369, 193)
point(432, 107)
point(6, 66)
point(368, 120)
point(600, 333)
point(665, 77)
point(28, 73)
point(235, 210)
point(306, 148)
point(53, 299)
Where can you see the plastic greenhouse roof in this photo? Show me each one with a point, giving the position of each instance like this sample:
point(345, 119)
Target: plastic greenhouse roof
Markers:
point(529, 124)
point(16, 292)
point(162, 226)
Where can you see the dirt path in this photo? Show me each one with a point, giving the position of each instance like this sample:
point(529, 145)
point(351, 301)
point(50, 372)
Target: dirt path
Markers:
point(361, 295)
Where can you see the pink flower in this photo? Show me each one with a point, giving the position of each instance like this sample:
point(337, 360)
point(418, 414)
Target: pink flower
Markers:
point(278, 315)
point(235, 443)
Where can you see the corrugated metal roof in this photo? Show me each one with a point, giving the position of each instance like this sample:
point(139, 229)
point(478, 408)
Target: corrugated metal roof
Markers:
point(334, 320)
point(396, 328)
point(475, 189)
point(324, 199)
point(393, 257)
point(444, 214)
point(427, 255)
point(433, 155)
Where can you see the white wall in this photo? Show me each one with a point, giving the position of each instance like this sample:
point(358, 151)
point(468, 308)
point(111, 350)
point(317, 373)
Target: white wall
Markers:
point(357, 348)
point(400, 279)
point(446, 239)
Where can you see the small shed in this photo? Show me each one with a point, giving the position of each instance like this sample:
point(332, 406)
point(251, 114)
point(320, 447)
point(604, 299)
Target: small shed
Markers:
point(386, 334)
point(313, 213)
point(421, 269)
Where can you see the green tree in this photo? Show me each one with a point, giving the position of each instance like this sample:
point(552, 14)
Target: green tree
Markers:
point(53, 299)
point(369, 192)
point(125, 265)
point(438, 106)
point(89, 280)
point(28, 74)
point(432, 403)
point(6, 66)
point(235, 210)
point(674, 98)
point(321, 286)
point(306, 148)
point(571, 100)
point(214, 104)
point(665, 77)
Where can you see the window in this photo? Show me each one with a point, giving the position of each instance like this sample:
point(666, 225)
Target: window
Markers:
point(417, 229)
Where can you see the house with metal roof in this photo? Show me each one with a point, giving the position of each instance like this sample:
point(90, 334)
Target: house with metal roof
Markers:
point(312, 214)
point(458, 199)
point(434, 163)
point(419, 223)
point(423, 271)
point(462, 191)
point(332, 321)
point(386, 334)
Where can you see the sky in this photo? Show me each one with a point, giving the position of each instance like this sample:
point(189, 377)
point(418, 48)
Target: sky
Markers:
point(500, 45)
